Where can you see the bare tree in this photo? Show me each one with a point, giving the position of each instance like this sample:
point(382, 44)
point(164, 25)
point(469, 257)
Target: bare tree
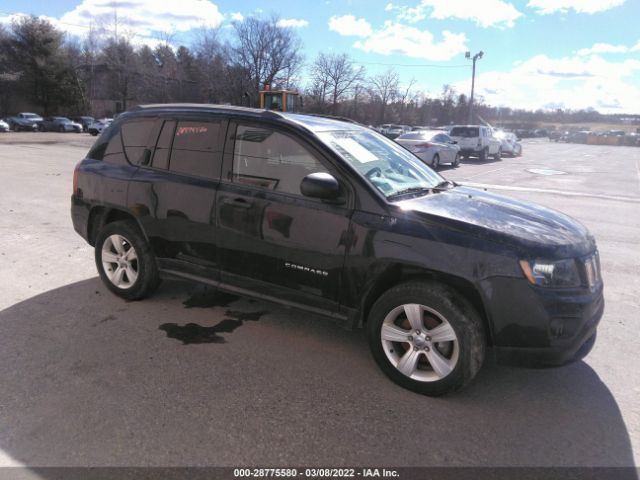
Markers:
point(270, 54)
point(406, 97)
point(384, 88)
point(337, 75)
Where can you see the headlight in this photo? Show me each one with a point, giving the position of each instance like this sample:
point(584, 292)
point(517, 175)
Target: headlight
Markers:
point(546, 273)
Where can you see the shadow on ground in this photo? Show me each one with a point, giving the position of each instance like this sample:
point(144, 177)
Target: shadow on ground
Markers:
point(90, 380)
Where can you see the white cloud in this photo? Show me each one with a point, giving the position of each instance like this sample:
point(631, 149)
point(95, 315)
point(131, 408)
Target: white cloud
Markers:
point(570, 82)
point(140, 20)
point(348, 25)
point(292, 22)
point(608, 48)
point(488, 13)
point(236, 16)
point(398, 39)
point(545, 7)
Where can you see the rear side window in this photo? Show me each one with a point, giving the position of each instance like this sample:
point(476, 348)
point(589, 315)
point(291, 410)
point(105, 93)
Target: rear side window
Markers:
point(163, 147)
point(268, 159)
point(136, 135)
point(196, 148)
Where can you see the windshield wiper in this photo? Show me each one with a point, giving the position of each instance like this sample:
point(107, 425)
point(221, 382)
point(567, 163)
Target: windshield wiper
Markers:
point(445, 185)
point(407, 191)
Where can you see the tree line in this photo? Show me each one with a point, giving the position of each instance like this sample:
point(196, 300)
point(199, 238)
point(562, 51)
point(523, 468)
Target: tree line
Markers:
point(108, 71)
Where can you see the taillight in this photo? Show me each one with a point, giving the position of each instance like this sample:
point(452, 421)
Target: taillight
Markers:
point(421, 146)
point(76, 171)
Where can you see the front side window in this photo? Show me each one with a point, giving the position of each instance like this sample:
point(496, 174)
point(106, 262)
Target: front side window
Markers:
point(390, 168)
point(268, 159)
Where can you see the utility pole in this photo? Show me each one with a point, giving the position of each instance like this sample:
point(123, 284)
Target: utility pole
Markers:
point(476, 57)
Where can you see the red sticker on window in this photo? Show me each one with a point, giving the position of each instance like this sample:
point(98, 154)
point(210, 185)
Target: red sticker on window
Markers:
point(189, 130)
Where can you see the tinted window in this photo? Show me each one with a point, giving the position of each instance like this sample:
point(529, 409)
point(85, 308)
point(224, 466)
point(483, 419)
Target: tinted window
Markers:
point(272, 160)
point(163, 146)
point(114, 152)
point(442, 138)
point(465, 132)
point(196, 149)
point(135, 137)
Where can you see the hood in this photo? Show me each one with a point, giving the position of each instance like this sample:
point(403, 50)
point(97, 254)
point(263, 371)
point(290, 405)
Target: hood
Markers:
point(529, 229)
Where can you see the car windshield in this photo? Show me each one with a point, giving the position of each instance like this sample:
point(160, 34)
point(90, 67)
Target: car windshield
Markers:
point(30, 115)
point(465, 132)
point(392, 169)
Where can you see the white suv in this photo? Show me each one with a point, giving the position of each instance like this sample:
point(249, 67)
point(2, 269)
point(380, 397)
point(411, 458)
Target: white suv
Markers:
point(477, 141)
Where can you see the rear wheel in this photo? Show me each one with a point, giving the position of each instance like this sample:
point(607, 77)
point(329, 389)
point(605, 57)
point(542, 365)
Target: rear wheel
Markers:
point(125, 261)
point(426, 338)
point(484, 153)
point(61, 129)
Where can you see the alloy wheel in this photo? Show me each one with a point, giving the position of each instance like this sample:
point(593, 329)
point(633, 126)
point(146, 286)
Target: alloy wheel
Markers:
point(120, 261)
point(419, 342)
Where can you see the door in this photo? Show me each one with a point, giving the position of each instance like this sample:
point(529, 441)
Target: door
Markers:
point(173, 191)
point(445, 149)
point(272, 239)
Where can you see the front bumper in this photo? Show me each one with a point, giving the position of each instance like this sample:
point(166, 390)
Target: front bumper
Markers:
point(539, 327)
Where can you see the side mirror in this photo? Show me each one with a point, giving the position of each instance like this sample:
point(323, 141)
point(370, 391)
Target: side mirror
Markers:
point(320, 185)
point(453, 142)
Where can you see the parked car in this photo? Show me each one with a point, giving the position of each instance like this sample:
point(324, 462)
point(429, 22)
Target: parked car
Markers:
point(334, 218)
point(432, 147)
point(59, 124)
point(476, 141)
point(510, 143)
point(4, 126)
point(420, 127)
point(394, 131)
point(24, 121)
point(99, 125)
point(84, 121)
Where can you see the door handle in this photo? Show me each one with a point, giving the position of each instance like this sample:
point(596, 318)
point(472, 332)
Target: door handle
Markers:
point(237, 202)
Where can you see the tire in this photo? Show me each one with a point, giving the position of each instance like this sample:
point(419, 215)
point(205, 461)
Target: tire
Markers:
point(519, 153)
point(435, 163)
point(61, 129)
point(138, 276)
point(484, 153)
point(442, 308)
point(456, 161)
point(498, 154)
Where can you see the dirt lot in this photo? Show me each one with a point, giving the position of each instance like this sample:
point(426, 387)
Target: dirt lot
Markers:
point(89, 379)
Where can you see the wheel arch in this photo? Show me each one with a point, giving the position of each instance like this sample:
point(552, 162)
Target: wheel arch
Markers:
point(397, 274)
point(100, 216)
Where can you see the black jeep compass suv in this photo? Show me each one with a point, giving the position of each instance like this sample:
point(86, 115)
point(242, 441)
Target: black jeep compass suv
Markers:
point(334, 218)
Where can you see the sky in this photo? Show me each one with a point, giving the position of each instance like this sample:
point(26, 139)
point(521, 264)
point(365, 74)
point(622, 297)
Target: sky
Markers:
point(537, 53)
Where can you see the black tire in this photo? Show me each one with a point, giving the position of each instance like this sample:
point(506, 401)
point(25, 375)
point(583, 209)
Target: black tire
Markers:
point(498, 154)
point(484, 153)
point(148, 277)
point(435, 163)
point(456, 161)
point(459, 314)
point(61, 129)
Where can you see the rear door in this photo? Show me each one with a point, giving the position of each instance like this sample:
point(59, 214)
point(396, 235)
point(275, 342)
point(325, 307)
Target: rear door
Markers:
point(173, 192)
point(273, 240)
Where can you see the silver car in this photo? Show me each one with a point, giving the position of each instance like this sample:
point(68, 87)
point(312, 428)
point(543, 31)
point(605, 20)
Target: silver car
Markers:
point(510, 143)
point(433, 147)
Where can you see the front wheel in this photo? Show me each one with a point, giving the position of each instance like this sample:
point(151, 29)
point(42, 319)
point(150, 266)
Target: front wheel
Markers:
point(426, 338)
point(484, 153)
point(498, 154)
point(456, 161)
point(435, 163)
point(125, 261)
